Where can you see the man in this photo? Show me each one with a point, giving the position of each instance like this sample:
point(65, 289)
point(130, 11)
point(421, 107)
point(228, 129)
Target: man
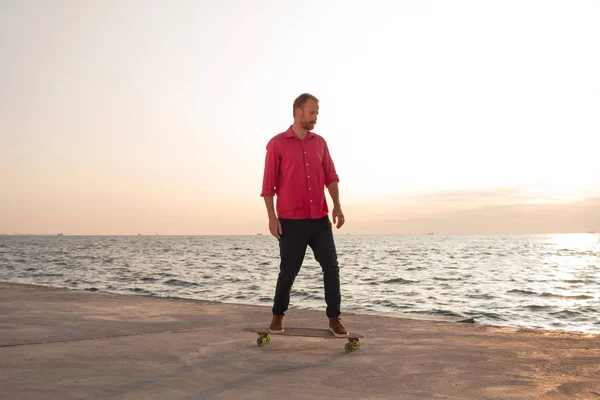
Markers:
point(298, 167)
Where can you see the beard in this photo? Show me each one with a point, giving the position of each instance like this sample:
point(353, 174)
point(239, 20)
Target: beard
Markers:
point(309, 125)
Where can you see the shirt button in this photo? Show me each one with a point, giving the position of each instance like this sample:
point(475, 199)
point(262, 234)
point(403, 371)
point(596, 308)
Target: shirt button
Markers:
point(311, 201)
point(309, 188)
point(308, 176)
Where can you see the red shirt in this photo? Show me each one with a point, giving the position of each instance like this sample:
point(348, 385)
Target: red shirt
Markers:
point(298, 172)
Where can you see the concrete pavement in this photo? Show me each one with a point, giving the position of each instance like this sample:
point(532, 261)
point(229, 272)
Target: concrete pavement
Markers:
point(64, 344)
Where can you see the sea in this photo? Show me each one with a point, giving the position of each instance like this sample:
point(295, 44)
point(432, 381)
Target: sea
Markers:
point(527, 281)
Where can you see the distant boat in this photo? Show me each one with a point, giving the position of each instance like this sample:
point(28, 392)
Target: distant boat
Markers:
point(591, 232)
point(430, 233)
point(60, 234)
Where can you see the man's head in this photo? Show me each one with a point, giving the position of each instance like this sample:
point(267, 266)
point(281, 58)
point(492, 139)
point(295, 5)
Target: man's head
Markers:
point(306, 110)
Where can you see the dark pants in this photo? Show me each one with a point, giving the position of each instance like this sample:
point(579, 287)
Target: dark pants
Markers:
point(297, 234)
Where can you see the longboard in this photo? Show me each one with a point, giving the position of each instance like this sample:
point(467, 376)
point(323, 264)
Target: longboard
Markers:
point(264, 336)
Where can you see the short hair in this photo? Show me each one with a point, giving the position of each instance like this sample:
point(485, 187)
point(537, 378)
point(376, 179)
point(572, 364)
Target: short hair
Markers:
point(301, 100)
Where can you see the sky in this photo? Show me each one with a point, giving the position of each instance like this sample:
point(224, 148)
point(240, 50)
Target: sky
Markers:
point(152, 117)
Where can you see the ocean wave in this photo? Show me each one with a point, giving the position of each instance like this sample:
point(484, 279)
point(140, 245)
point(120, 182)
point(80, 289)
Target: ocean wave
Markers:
point(535, 307)
point(566, 314)
point(443, 312)
point(579, 297)
point(399, 281)
point(47, 275)
point(484, 296)
point(411, 294)
point(139, 290)
point(165, 274)
point(492, 316)
point(303, 294)
point(524, 292)
point(385, 303)
point(177, 282)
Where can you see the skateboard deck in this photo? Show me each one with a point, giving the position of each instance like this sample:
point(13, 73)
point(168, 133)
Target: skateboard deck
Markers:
point(264, 336)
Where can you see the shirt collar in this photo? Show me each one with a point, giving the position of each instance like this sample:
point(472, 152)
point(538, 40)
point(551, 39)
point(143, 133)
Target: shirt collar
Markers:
point(290, 134)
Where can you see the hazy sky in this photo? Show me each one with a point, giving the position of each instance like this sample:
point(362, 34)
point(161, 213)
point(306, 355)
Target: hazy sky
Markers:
point(119, 117)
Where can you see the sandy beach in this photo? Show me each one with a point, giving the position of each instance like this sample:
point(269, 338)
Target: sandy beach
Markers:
point(63, 344)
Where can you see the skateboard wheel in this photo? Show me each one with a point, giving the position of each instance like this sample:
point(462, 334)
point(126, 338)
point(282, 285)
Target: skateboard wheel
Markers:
point(356, 345)
point(348, 347)
point(263, 339)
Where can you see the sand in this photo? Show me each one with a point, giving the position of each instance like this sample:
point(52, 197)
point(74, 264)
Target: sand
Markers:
point(64, 344)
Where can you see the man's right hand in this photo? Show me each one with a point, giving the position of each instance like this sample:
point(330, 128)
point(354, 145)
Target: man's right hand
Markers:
point(275, 227)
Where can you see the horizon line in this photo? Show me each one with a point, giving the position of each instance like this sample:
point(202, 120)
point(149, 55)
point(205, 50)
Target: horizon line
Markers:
point(335, 234)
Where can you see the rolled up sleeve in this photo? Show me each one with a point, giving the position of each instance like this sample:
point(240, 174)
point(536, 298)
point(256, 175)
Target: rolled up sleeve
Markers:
point(329, 167)
point(271, 171)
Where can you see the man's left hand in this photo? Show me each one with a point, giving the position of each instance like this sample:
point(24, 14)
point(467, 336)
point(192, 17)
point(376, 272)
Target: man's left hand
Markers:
point(338, 217)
